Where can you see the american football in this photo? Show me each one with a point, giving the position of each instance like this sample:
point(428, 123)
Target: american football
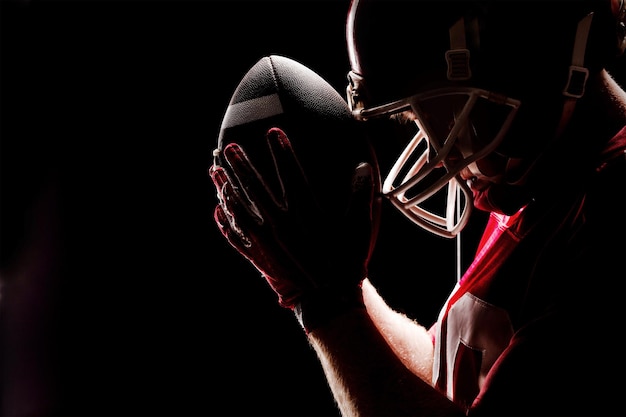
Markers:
point(281, 92)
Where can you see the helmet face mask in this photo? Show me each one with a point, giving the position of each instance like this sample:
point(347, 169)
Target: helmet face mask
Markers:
point(454, 129)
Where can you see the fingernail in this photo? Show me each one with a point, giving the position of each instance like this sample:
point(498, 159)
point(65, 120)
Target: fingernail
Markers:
point(219, 177)
point(232, 151)
point(362, 176)
point(279, 135)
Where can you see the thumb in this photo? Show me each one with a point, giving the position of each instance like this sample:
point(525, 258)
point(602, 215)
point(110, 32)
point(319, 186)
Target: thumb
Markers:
point(358, 224)
point(359, 214)
point(362, 192)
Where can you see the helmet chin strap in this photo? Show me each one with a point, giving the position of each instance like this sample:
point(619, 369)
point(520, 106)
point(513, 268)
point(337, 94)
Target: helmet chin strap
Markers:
point(578, 74)
point(516, 173)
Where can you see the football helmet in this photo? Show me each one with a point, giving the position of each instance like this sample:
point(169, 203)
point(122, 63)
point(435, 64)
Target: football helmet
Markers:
point(484, 86)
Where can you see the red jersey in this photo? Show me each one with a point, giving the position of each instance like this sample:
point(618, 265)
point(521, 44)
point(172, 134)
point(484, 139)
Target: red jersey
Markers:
point(539, 316)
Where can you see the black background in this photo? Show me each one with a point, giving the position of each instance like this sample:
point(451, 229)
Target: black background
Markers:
point(119, 295)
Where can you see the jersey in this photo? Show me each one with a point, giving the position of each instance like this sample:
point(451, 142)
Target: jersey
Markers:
point(539, 316)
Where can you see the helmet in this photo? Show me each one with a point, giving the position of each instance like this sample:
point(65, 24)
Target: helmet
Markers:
point(484, 86)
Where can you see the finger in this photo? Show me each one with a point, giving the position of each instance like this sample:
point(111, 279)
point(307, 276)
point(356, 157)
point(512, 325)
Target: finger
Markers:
point(222, 221)
point(291, 175)
point(232, 199)
point(230, 231)
point(259, 195)
point(363, 185)
point(212, 168)
point(225, 191)
point(218, 176)
point(287, 166)
point(359, 212)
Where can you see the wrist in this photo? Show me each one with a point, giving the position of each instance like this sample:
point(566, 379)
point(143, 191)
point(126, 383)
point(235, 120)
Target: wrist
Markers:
point(320, 307)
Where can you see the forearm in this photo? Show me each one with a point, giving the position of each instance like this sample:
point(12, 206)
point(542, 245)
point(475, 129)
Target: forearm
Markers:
point(367, 377)
point(409, 340)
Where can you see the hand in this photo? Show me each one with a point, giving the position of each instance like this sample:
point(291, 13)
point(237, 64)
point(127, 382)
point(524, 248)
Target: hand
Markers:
point(298, 246)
